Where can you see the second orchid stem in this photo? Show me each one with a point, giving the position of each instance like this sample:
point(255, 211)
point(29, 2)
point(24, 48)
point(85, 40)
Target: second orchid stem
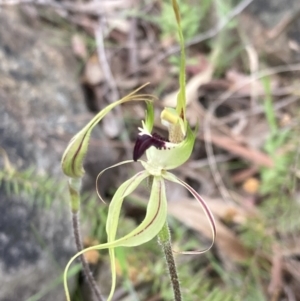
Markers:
point(74, 188)
point(164, 239)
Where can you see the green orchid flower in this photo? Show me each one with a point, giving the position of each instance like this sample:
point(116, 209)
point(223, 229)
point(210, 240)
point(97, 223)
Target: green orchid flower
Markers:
point(161, 155)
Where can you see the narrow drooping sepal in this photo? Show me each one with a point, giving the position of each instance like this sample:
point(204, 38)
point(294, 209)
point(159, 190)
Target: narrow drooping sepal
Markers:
point(72, 160)
point(153, 222)
point(103, 171)
point(113, 219)
point(205, 208)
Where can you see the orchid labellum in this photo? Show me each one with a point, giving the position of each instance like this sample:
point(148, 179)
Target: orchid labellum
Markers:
point(162, 155)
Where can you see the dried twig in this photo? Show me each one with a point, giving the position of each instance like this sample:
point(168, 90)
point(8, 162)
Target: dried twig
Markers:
point(199, 164)
point(133, 55)
point(110, 80)
point(276, 283)
point(284, 23)
point(86, 268)
point(254, 67)
point(259, 109)
point(103, 59)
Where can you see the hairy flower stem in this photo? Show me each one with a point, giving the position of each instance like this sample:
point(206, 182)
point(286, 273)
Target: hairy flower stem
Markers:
point(164, 239)
point(74, 187)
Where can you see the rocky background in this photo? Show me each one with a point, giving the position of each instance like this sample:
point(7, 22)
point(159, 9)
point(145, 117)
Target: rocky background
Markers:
point(42, 106)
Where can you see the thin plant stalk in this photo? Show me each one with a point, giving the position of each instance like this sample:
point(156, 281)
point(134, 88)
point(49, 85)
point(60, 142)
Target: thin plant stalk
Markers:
point(74, 188)
point(164, 239)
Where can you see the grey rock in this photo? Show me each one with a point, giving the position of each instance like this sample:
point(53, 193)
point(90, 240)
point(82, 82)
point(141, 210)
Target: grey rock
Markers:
point(267, 15)
point(271, 12)
point(41, 107)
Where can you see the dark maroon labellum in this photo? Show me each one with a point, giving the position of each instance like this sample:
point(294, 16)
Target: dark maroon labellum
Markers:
point(143, 142)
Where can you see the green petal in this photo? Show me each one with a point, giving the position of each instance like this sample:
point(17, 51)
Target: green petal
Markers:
point(170, 157)
point(72, 160)
point(149, 119)
point(208, 213)
point(113, 218)
point(154, 220)
point(116, 203)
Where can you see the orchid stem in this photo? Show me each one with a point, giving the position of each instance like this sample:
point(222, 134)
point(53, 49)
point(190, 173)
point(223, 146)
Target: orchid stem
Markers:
point(74, 188)
point(164, 239)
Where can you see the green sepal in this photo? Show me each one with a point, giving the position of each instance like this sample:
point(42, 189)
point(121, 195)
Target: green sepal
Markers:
point(171, 177)
point(114, 215)
point(149, 118)
point(72, 160)
point(153, 222)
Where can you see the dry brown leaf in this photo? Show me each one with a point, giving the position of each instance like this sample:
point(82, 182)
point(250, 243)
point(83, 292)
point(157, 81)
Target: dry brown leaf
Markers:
point(199, 66)
point(276, 283)
point(250, 154)
point(79, 47)
point(243, 175)
point(119, 24)
point(192, 87)
point(146, 53)
point(190, 213)
point(93, 73)
point(92, 256)
point(256, 133)
point(127, 83)
point(237, 79)
point(285, 120)
point(229, 212)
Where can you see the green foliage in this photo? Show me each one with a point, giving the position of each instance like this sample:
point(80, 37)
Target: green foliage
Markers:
point(279, 207)
point(278, 177)
point(192, 14)
point(54, 284)
point(268, 106)
point(253, 235)
point(128, 284)
point(31, 185)
point(225, 47)
point(275, 178)
point(219, 295)
point(94, 212)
